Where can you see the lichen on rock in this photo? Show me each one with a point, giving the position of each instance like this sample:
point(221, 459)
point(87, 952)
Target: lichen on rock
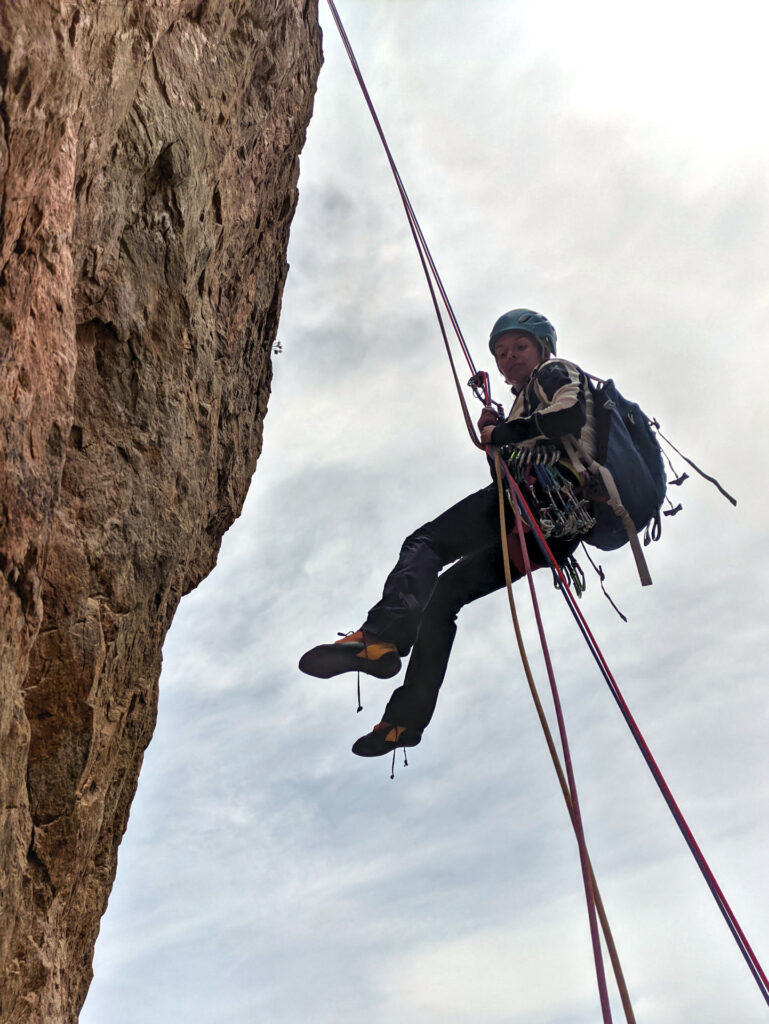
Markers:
point(148, 171)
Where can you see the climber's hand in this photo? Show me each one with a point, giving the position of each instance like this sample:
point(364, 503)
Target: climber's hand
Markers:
point(489, 417)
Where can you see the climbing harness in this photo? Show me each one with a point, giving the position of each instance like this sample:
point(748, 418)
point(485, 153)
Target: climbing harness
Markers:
point(555, 498)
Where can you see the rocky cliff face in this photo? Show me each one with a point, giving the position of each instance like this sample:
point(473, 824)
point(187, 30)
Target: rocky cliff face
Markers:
point(148, 168)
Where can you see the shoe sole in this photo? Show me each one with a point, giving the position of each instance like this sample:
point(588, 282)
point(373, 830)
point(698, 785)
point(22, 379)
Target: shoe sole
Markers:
point(364, 750)
point(332, 659)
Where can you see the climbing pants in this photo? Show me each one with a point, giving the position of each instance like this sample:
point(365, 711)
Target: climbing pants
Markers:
point(420, 604)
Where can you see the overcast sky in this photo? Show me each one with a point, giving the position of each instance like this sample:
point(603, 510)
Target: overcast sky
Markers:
point(605, 163)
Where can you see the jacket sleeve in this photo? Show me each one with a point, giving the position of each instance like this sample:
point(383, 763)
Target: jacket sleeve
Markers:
point(559, 389)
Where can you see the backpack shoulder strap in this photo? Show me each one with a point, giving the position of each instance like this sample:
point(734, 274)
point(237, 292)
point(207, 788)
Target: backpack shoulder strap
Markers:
point(576, 457)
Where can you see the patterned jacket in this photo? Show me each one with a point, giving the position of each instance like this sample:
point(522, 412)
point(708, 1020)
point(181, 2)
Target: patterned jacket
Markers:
point(555, 402)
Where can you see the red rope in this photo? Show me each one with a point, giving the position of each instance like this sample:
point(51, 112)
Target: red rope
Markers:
point(429, 268)
point(416, 230)
point(729, 916)
point(425, 256)
point(599, 906)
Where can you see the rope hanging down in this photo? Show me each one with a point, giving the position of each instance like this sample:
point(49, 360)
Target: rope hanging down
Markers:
point(591, 885)
point(729, 916)
point(434, 281)
point(432, 276)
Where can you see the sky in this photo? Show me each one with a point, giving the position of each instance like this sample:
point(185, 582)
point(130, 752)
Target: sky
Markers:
point(606, 164)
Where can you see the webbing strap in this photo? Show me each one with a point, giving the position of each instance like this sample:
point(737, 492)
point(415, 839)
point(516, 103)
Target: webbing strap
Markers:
point(695, 467)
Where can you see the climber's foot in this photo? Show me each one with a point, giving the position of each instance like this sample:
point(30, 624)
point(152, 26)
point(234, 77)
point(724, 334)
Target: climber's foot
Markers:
point(385, 738)
point(358, 652)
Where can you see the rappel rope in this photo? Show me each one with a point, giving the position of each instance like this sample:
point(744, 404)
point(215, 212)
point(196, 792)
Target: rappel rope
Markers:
point(576, 816)
point(729, 916)
point(425, 256)
point(591, 885)
point(521, 509)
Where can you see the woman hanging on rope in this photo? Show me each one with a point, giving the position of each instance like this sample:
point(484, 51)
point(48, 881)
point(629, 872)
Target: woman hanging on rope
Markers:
point(419, 604)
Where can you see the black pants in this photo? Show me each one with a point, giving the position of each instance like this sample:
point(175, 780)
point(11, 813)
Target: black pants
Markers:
point(419, 607)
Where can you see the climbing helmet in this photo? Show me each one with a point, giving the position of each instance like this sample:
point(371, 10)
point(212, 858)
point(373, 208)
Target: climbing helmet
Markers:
point(525, 320)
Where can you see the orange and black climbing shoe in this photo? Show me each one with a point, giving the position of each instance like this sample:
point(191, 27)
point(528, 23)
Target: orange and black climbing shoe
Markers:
point(385, 738)
point(357, 652)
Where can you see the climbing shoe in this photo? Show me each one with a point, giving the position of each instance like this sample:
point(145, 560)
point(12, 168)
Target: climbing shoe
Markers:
point(358, 652)
point(385, 738)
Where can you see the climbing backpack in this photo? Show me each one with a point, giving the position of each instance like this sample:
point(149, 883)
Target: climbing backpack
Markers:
point(628, 447)
point(626, 480)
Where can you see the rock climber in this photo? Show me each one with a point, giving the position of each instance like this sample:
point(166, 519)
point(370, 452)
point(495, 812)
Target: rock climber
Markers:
point(419, 604)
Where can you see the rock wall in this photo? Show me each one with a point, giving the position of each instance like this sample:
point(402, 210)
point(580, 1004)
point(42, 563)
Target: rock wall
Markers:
point(148, 169)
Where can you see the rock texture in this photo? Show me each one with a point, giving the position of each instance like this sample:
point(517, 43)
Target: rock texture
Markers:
point(148, 168)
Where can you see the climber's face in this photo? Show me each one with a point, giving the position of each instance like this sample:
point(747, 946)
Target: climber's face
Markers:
point(517, 355)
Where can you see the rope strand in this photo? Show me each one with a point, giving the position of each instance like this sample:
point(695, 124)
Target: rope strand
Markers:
point(729, 916)
point(599, 905)
point(425, 256)
point(577, 816)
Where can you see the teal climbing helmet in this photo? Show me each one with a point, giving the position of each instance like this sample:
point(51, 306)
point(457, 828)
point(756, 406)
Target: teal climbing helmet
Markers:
point(525, 320)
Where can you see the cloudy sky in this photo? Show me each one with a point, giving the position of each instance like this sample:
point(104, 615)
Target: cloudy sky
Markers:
point(607, 164)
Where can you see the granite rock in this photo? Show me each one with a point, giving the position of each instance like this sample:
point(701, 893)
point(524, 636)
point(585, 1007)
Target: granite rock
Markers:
point(148, 170)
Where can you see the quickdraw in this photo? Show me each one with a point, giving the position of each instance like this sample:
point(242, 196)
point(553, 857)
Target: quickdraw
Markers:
point(554, 491)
